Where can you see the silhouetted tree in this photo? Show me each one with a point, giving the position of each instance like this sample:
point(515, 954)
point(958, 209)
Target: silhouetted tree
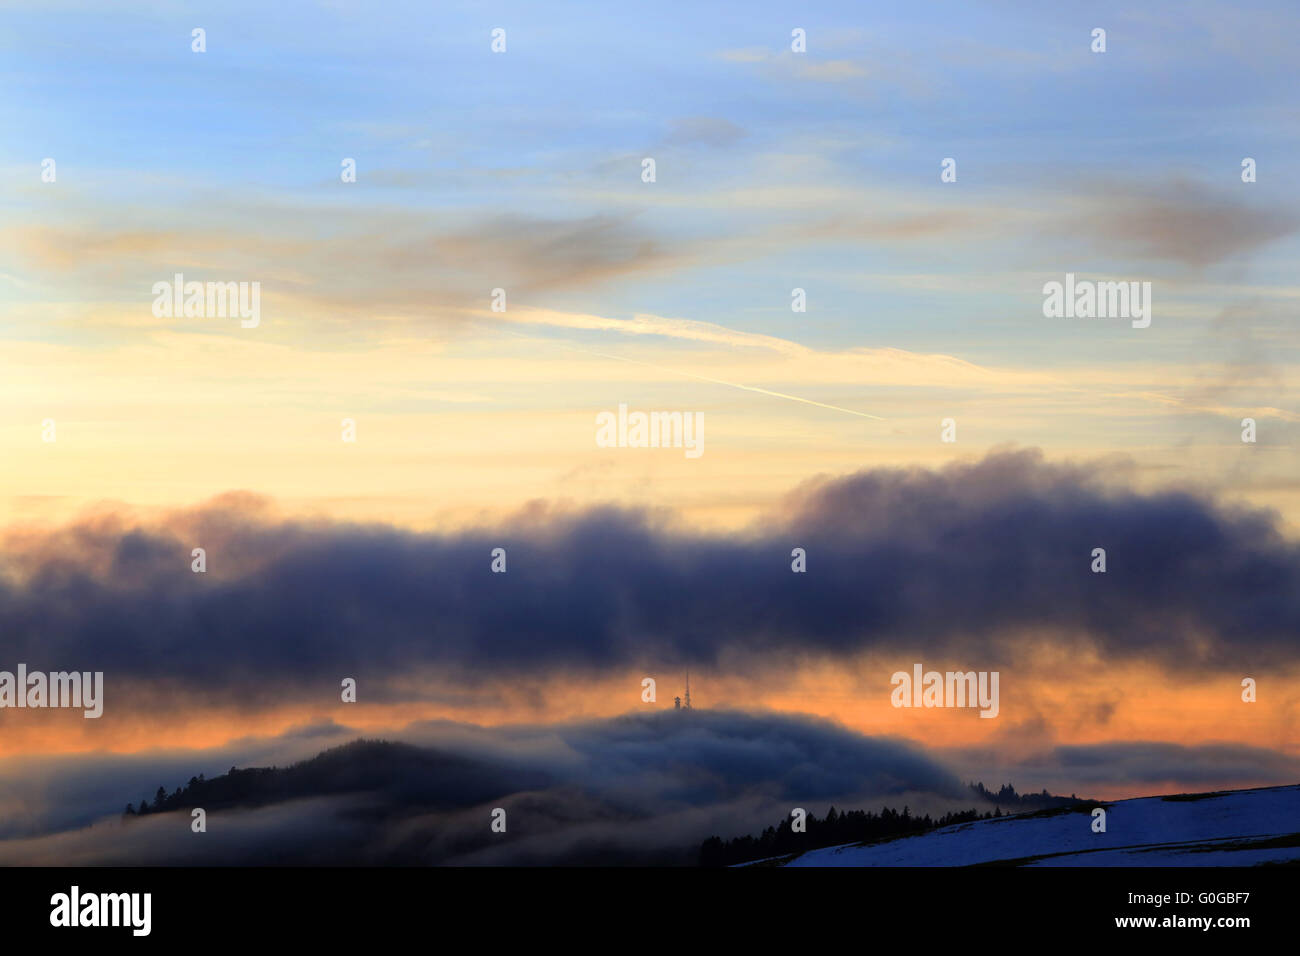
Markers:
point(837, 828)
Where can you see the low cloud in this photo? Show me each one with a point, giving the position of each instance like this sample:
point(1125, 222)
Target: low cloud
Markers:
point(633, 789)
point(975, 559)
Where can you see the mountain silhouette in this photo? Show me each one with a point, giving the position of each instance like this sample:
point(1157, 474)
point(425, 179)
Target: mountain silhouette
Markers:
point(403, 775)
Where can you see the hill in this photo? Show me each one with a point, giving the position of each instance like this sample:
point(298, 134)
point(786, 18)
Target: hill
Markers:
point(1225, 828)
point(406, 775)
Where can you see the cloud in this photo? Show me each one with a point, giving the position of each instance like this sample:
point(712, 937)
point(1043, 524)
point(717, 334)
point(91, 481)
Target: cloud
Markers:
point(1210, 765)
point(364, 265)
point(785, 65)
point(1137, 765)
point(831, 71)
point(686, 329)
point(644, 788)
point(973, 560)
point(1184, 222)
point(704, 131)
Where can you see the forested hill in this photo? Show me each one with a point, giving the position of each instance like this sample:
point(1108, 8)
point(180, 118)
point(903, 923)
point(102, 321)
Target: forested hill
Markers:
point(854, 826)
point(409, 775)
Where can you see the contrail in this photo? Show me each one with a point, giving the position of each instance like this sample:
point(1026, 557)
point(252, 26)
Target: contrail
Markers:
point(702, 378)
point(718, 381)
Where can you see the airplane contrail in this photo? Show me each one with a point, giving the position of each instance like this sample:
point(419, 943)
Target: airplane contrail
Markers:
point(704, 378)
point(748, 388)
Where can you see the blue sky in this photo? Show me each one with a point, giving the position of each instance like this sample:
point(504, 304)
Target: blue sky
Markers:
point(439, 126)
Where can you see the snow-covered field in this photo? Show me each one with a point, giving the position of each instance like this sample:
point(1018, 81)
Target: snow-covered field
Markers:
point(1236, 828)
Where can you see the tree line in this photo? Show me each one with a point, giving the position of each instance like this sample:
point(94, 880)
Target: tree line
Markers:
point(860, 826)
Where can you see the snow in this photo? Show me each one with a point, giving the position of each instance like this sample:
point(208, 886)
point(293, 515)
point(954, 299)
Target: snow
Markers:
point(1214, 830)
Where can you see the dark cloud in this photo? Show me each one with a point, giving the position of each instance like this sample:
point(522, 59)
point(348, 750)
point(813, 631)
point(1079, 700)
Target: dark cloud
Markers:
point(970, 560)
point(1183, 222)
point(1142, 765)
point(709, 756)
point(1209, 765)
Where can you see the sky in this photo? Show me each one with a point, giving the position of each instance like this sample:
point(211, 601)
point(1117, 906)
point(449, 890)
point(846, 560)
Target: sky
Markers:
point(775, 170)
